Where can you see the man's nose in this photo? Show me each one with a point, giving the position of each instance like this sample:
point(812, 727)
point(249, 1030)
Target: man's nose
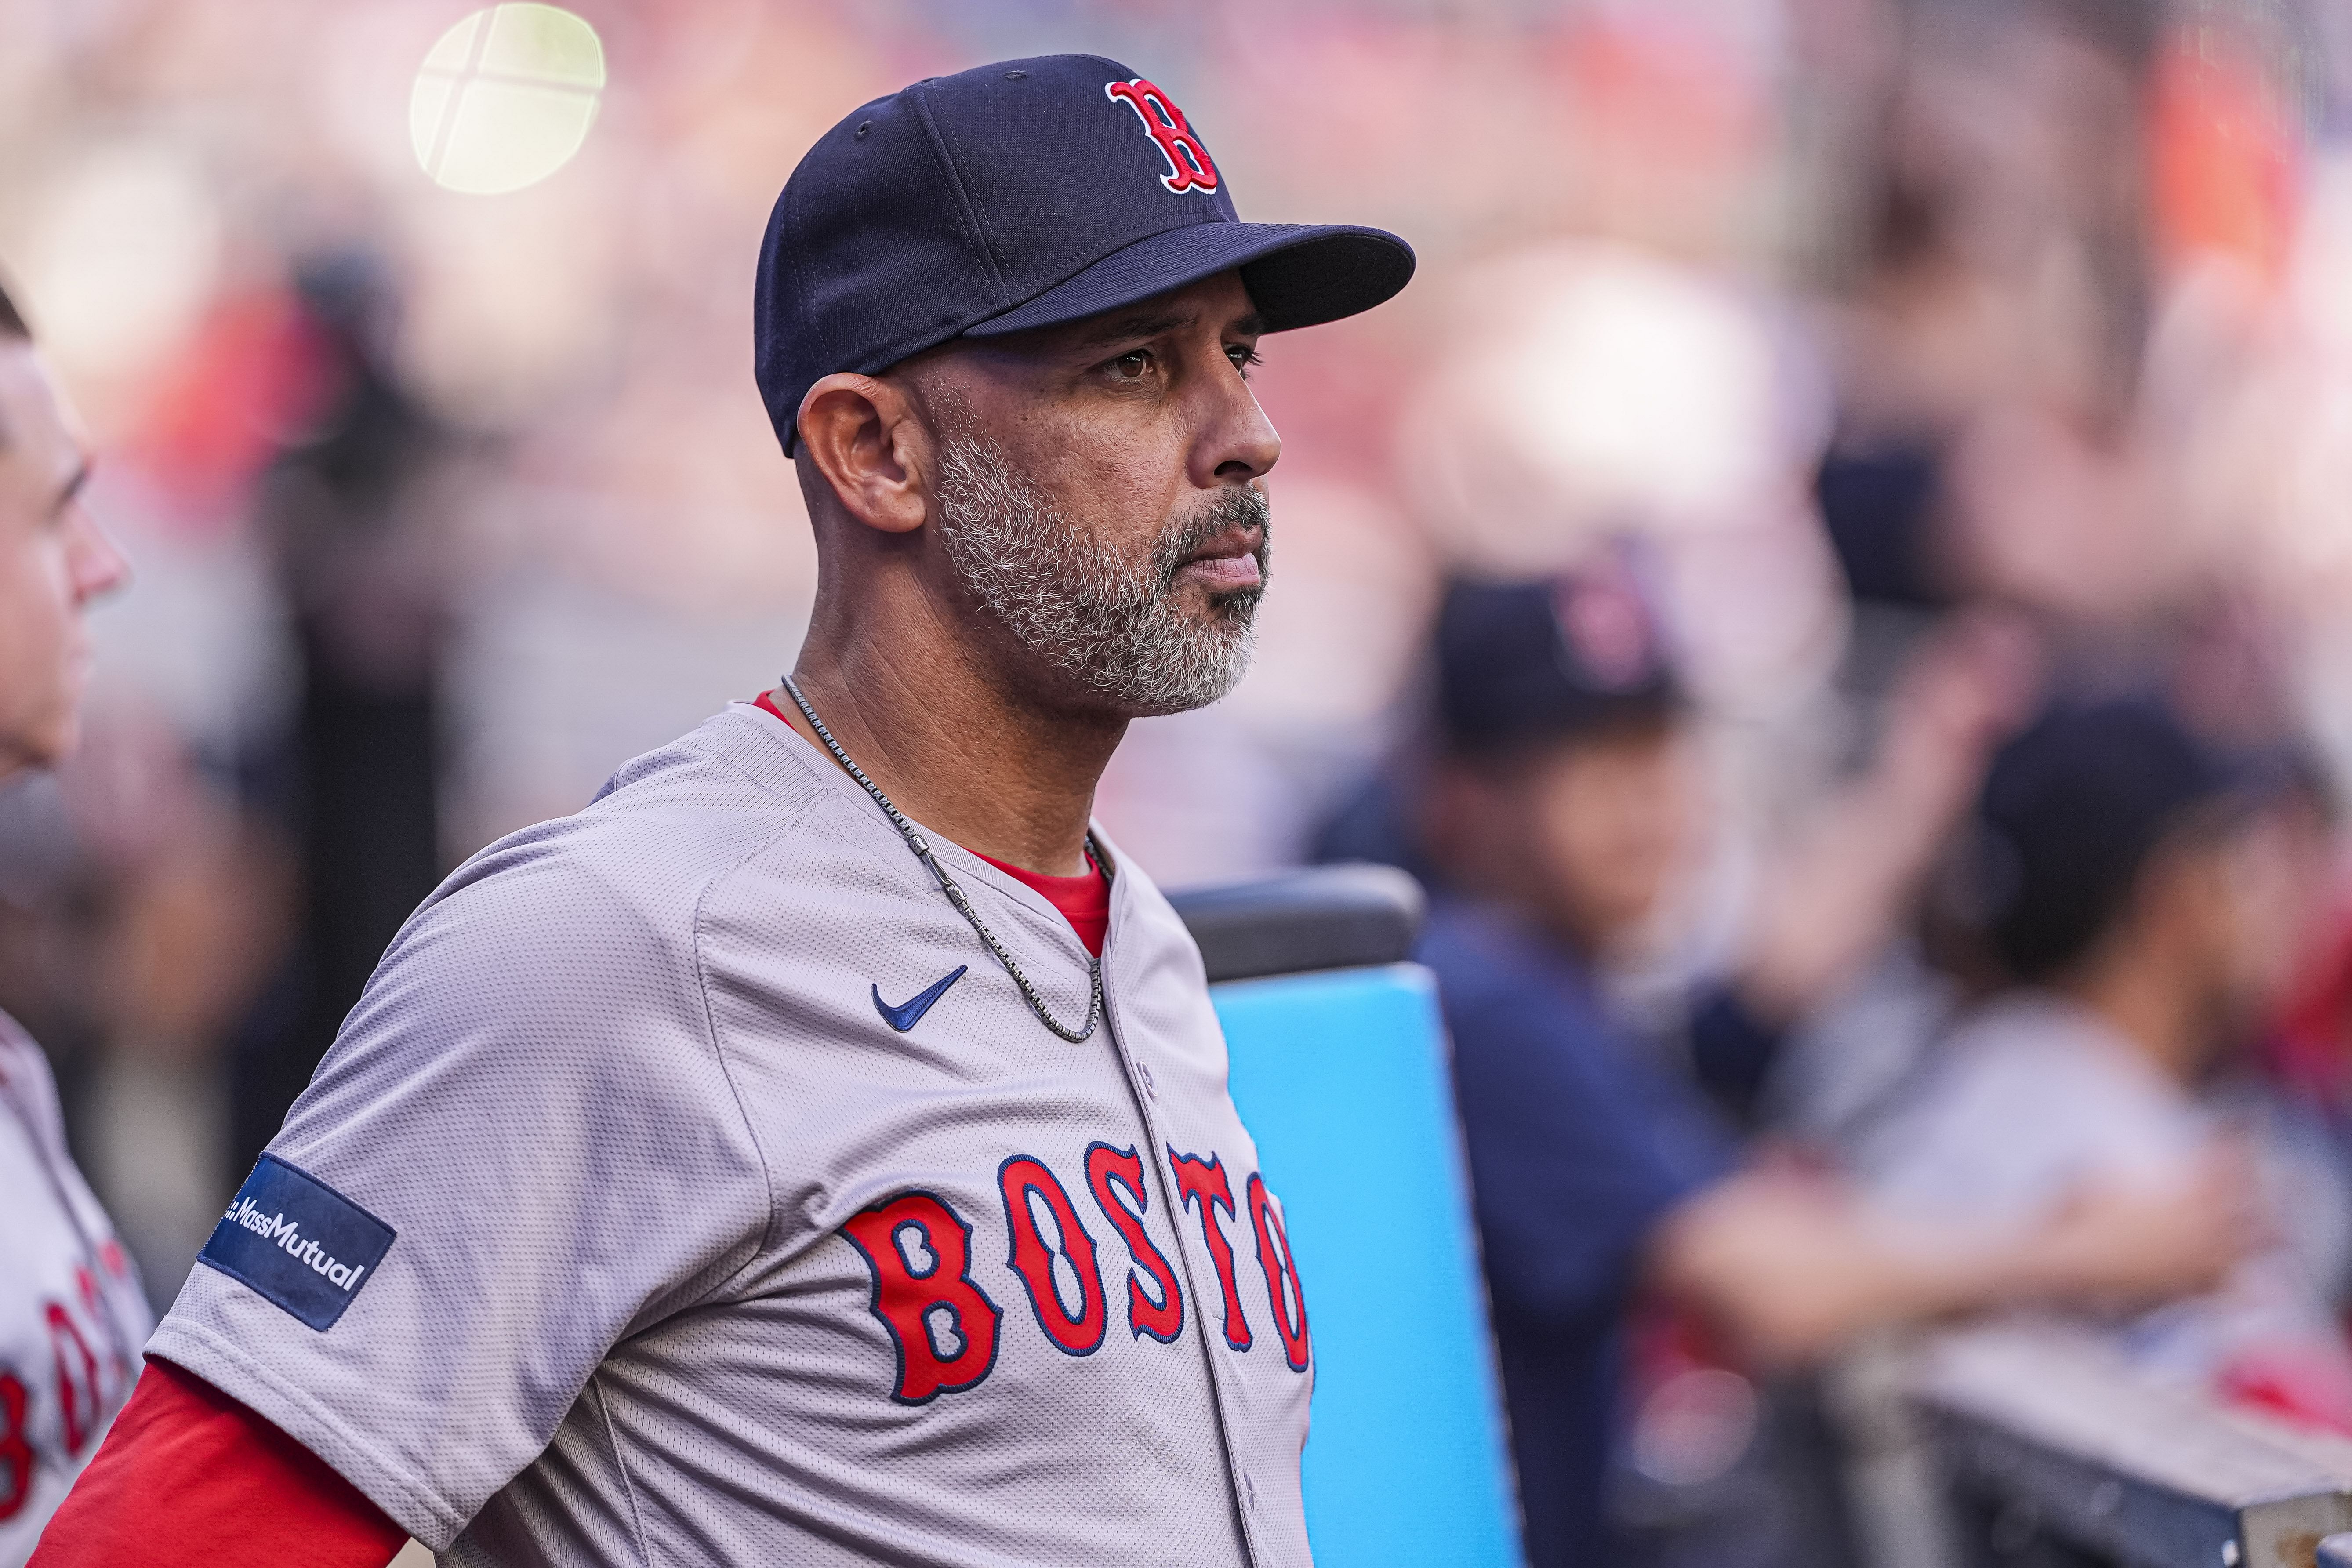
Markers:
point(1241, 443)
point(98, 564)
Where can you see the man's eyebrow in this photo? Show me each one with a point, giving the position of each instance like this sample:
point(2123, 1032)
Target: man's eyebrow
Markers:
point(1125, 328)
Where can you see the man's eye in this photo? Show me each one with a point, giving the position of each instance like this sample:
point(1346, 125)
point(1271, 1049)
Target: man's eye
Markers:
point(1243, 357)
point(1131, 367)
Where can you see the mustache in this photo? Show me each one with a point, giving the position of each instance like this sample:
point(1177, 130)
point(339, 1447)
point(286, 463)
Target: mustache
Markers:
point(1235, 508)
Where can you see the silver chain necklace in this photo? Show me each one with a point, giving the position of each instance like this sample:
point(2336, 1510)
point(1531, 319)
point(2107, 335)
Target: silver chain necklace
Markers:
point(916, 842)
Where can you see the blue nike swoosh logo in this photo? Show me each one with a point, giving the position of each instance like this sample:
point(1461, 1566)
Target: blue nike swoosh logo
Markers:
point(903, 1017)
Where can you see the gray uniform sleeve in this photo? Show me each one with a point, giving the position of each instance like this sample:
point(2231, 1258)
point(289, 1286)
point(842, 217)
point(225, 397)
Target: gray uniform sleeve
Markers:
point(523, 1145)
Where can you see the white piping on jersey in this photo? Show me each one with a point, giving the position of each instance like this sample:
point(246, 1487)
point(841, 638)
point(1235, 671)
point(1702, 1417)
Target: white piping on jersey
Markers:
point(1237, 1480)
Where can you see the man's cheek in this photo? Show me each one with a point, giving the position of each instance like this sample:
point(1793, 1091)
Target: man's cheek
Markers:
point(37, 631)
point(1133, 485)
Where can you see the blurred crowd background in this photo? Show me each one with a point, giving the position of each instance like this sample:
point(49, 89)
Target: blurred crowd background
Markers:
point(1928, 356)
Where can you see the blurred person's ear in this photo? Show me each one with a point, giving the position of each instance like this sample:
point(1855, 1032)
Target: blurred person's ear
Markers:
point(863, 451)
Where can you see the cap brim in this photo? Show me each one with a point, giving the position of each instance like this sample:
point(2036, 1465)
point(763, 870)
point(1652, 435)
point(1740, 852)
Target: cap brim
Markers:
point(1297, 274)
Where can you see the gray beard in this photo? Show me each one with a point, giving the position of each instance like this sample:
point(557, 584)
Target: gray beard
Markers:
point(1111, 624)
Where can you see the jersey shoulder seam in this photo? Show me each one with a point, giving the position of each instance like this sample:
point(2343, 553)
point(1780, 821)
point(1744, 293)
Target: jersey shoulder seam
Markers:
point(705, 752)
point(718, 1046)
point(767, 787)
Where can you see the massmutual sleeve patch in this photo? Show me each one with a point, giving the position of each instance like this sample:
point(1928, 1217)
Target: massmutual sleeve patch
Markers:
point(297, 1242)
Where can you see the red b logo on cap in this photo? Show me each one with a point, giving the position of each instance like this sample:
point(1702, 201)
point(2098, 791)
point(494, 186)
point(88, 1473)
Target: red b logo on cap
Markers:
point(1189, 165)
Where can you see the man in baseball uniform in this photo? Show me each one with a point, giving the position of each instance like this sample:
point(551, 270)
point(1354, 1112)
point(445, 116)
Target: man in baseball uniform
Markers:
point(817, 1151)
point(71, 1311)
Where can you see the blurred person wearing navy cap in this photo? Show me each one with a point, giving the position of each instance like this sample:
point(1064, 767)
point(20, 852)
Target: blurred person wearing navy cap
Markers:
point(72, 1314)
point(1558, 817)
point(2143, 896)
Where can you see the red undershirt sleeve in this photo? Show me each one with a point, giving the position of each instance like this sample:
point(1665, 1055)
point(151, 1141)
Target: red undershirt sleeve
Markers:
point(189, 1477)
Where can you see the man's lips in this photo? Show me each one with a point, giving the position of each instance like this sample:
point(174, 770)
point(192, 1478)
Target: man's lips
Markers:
point(1226, 563)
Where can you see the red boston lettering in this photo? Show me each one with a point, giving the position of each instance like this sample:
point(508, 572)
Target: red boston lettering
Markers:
point(914, 1303)
point(1073, 1334)
point(94, 1308)
point(78, 1392)
point(16, 1448)
point(1203, 1185)
point(1189, 165)
point(1163, 1319)
point(1282, 1286)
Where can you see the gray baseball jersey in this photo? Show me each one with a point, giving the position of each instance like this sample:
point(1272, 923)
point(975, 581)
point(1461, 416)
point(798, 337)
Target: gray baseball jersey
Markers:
point(691, 1186)
point(71, 1311)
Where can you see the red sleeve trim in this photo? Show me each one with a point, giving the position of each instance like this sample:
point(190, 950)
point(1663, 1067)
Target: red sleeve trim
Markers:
point(190, 1477)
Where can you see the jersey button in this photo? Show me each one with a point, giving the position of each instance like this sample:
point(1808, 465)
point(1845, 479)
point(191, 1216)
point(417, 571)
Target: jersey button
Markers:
point(1249, 1490)
point(1151, 1089)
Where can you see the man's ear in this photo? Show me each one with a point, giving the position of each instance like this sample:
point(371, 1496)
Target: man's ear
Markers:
point(862, 434)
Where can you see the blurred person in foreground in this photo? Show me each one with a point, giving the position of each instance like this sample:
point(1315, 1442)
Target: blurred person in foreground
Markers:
point(2144, 896)
point(72, 1315)
point(1558, 818)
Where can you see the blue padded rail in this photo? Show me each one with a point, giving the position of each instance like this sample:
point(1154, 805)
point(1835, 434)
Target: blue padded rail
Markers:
point(1341, 1077)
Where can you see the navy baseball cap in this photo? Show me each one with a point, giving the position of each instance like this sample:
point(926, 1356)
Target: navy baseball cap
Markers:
point(2072, 809)
point(1021, 194)
point(1522, 664)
